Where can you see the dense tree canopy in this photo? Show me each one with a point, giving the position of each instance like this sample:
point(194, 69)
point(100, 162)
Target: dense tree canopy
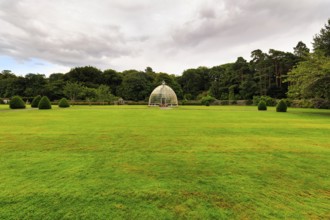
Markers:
point(301, 50)
point(113, 79)
point(311, 78)
point(89, 76)
point(238, 80)
point(136, 85)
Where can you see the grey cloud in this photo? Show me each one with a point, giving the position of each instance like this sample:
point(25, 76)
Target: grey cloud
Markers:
point(38, 39)
point(246, 21)
point(208, 13)
point(134, 34)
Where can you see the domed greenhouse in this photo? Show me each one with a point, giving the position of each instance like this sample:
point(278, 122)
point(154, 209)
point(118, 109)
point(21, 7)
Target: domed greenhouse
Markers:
point(163, 96)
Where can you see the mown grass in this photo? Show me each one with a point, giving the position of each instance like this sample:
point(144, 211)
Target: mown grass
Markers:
point(135, 162)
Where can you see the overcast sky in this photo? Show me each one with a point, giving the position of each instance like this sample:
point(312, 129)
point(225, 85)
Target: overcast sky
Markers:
point(47, 36)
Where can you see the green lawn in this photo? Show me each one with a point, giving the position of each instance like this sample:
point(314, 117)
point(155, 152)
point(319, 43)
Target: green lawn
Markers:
point(135, 162)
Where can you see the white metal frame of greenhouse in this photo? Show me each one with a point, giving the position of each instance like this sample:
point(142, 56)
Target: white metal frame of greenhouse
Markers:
point(163, 96)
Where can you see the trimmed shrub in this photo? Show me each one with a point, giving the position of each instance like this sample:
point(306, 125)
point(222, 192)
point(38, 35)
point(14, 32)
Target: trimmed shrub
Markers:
point(35, 102)
point(281, 106)
point(262, 106)
point(44, 103)
point(63, 103)
point(16, 103)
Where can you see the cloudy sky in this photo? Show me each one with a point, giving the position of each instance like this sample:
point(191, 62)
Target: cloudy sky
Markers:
point(47, 36)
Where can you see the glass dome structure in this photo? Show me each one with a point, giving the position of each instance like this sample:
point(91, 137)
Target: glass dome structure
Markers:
point(163, 96)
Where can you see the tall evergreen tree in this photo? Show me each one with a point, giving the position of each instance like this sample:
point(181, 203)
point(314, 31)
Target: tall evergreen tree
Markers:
point(322, 40)
point(301, 50)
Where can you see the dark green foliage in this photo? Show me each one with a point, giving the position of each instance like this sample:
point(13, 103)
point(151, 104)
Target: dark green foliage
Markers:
point(63, 103)
point(113, 79)
point(16, 103)
point(136, 85)
point(302, 103)
point(262, 106)
point(268, 100)
point(35, 101)
point(233, 102)
point(207, 100)
point(90, 103)
point(73, 90)
point(311, 103)
point(249, 102)
point(301, 50)
point(103, 94)
point(281, 106)
point(224, 102)
point(321, 103)
point(189, 102)
point(288, 102)
point(87, 76)
point(322, 40)
point(36, 84)
point(187, 96)
point(310, 78)
point(44, 103)
point(248, 88)
point(270, 71)
point(1, 101)
point(27, 100)
point(195, 81)
point(55, 86)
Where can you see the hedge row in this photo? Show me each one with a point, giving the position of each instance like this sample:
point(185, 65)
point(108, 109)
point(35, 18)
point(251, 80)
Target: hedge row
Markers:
point(309, 103)
point(84, 103)
point(306, 103)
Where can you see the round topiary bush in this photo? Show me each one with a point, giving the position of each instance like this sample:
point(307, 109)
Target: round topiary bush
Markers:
point(16, 103)
point(281, 106)
point(44, 103)
point(35, 101)
point(262, 106)
point(63, 103)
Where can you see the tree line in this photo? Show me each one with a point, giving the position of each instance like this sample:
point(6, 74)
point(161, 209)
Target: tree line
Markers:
point(277, 74)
